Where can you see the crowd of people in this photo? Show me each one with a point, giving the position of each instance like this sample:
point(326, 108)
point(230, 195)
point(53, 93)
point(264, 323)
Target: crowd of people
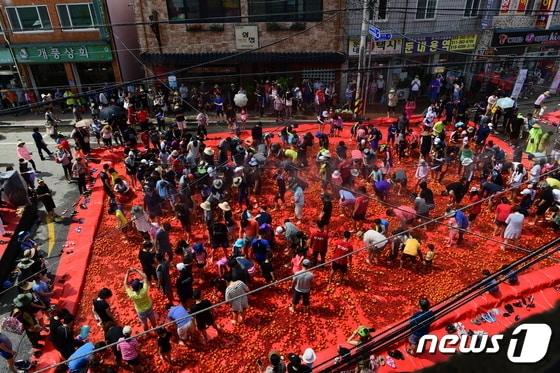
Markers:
point(217, 192)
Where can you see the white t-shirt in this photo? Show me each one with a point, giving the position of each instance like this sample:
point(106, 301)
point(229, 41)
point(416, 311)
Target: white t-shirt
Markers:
point(375, 240)
point(540, 99)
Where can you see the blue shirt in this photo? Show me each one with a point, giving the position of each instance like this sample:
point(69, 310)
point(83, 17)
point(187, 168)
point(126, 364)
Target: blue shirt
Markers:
point(179, 313)
point(423, 318)
point(461, 219)
point(382, 186)
point(79, 359)
point(162, 187)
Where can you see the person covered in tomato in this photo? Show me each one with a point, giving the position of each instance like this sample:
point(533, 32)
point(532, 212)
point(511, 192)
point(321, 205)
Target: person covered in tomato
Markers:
point(342, 257)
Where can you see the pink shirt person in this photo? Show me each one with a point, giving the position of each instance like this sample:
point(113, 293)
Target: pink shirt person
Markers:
point(23, 152)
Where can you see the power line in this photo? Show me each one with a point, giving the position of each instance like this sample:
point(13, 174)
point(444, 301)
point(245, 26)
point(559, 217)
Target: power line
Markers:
point(290, 277)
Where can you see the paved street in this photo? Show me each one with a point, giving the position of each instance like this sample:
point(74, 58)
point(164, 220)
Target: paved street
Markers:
point(51, 237)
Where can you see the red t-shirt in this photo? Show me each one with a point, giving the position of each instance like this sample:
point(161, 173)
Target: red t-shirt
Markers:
point(251, 228)
point(502, 212)
point(142, 116)
point(342, 248)
point(478, 207)
point(361, 205)
point(319, 241)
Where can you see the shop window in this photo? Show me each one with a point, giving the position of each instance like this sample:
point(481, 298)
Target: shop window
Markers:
point(76, 16)
point(471, 8)
point(426, 9)
point(204, 11)
point(29, 18)
point(381, 10)
point(323, 76)
point(285, 10)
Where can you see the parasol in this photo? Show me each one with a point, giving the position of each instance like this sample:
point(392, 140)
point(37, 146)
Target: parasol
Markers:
point(111, 112)
point(505, 102)
point(240, 100)
point(84, 123)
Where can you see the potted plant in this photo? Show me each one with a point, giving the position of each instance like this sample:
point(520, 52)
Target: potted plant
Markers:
point(273, 26)
point(297, 26)
point(216, 27)
point(194, 28)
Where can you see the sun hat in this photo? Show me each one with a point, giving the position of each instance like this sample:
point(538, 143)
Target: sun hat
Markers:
point(29, 253)
point(237, 181)
point(25, 263)
point(467, 162)
point(525, 192)
point(224, 206)
point(474, 189)
point(240, 242)
point(218, 183)
point(238, 169)
point(336, 174)
point(175, 153)
point(306, 262)
point(364, 331)
point(208, 151)
point(180, 266)
point(144, 161)
point(354, 172)
point(127, 330)
point(326, 153)
point(23, 300)
point(136, 285)
point(308, 356)
point(253, 162)
point(20, 143)
point(206, 206)
point(26, 286)
point(280, 229)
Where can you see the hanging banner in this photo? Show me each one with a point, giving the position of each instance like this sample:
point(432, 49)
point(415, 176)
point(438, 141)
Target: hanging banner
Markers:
point(505, 6)
point(555, 83)
point(543, 14)
point(519, 83)
point(522, 6)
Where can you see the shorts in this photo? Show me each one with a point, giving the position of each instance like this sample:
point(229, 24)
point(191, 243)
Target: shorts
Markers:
point(537, 106)
point(359, 217)
point(413, 339)
point(134, 361)
point(337, 267)
point(145, 315)
point(297, 296)
point(220, 243)
point(183, 331)
point(182, 125)
point(500, 223)
point(6, 355)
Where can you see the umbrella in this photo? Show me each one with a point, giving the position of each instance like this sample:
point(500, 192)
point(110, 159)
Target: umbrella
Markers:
point(111, 112)
point(240, 100)
point(505, 102)
point(84, 123)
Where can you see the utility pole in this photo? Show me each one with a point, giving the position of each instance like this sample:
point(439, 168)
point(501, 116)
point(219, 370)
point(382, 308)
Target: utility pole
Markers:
point(361, 56)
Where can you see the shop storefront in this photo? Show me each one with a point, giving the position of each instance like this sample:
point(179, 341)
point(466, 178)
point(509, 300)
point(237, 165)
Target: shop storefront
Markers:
point(400, 60)
point(79, 65)
point(539, 55)
point(8, 72)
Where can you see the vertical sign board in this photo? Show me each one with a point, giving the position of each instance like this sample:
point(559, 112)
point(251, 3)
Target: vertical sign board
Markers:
point(246, 36)
point(519, 83)
point(488, 12)
point(543, 14)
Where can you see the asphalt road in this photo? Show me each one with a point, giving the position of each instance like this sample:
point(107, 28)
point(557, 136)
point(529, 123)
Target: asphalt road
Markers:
point(51, 237)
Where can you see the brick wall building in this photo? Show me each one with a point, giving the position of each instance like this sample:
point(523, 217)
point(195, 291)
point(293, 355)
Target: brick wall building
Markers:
point(245, 35)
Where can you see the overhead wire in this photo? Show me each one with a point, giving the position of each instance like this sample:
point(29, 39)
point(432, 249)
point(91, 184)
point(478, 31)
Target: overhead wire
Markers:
point(279, 281)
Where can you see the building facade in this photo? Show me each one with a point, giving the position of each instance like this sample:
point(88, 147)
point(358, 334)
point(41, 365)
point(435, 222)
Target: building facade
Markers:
point(60, 44)
point(528, 32)
point(241, 40)
point(428, 38)
point(459, 38)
